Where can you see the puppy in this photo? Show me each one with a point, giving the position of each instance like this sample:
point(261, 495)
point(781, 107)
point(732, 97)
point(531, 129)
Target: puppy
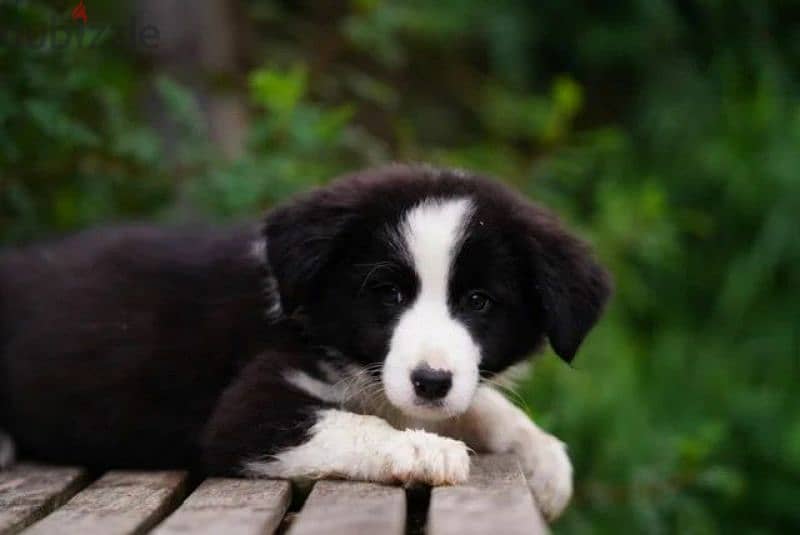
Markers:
point(352, 335)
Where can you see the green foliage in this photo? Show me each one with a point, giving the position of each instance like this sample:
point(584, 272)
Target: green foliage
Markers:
point(667, 132)
point(293, 145)
point(72, 152)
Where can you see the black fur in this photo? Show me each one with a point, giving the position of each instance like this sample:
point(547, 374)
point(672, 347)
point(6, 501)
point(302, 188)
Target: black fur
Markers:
point(144, 347)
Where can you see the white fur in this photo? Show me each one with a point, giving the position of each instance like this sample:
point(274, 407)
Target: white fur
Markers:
point(8, 452)
point(493, 424)
point(312, 386)
point(426, 332)
point(513, 374)
point(350, 388)
point(258, 250)
point(363, 447)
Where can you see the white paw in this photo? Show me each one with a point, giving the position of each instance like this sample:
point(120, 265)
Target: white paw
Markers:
point(422, 457)
point(548, 469)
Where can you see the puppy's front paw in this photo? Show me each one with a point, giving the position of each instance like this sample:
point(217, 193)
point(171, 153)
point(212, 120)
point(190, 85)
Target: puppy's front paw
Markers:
point(422, 457)
point(548, 469)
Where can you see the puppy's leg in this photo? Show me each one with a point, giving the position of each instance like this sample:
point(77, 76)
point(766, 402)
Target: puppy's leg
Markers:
point(362, 447)
point(493, 424)
point(7, 451)
point(266, 426)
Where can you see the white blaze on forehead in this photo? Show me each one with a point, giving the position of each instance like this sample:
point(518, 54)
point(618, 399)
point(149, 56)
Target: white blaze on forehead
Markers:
point(432, 232)
point(427, 333)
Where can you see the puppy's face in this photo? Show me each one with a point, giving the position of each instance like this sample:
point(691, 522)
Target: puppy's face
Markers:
point(432, 280)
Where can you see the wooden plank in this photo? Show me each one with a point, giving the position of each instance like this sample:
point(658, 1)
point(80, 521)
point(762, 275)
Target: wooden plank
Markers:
point(232, 507)
point(28, 492)
point(496, 499)
point(119, 503)
point(348, 507)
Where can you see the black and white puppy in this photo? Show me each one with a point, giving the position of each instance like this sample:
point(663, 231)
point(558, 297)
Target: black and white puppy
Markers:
point(353, 335)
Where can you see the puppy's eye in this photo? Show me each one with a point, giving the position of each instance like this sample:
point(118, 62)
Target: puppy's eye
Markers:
point(389, 294)
point(477, 301)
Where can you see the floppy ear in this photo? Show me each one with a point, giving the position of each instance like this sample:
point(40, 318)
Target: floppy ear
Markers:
point(300, 237)
point(572, 285)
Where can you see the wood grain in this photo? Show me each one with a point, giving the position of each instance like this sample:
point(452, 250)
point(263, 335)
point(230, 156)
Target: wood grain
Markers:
point(232, 507)
point(28, 492)
point(348, 507)
point(119, 503)
point(496, 499)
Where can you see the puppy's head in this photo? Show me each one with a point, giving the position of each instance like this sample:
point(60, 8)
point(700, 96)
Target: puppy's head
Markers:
point(432, 278)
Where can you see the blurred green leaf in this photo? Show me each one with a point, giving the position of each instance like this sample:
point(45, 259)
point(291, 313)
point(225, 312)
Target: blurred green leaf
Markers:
point(278, 91)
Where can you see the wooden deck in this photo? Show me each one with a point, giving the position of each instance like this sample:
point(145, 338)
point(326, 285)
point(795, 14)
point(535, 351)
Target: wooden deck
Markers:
point(43, 500)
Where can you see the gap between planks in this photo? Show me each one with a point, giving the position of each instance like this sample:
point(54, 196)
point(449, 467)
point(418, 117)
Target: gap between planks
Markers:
point(232, 507)
point(28, 492)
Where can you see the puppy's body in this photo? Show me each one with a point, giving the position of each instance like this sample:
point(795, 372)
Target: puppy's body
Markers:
point(117, 343)
point(346, 337)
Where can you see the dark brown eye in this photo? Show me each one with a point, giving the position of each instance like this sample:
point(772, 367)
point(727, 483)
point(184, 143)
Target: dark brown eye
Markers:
point(389, 294)
point(477, 301)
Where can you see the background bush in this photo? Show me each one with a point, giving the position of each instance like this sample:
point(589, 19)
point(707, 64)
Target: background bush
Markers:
point(666, 131)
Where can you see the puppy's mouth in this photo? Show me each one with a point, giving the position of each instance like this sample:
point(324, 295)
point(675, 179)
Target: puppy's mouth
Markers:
point(430, 410)
point(429, 404)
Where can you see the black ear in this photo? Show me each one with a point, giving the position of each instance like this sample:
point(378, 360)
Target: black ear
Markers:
point(573, 287)
point(300, 237)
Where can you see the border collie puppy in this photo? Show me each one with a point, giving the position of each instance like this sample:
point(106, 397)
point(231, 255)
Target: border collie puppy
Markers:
point(351, 335)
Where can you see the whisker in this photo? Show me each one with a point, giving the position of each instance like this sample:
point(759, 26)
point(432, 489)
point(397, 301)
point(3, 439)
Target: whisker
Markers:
point(507, 390)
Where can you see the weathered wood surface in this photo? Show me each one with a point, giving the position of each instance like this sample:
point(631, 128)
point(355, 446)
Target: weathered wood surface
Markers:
point(496, 499)
point(347, 507)
point(231, 507)
point(119, 503)
point(48, 500)
point(28, 492)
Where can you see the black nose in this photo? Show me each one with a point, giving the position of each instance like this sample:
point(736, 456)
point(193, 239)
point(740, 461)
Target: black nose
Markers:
point(431, 384)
